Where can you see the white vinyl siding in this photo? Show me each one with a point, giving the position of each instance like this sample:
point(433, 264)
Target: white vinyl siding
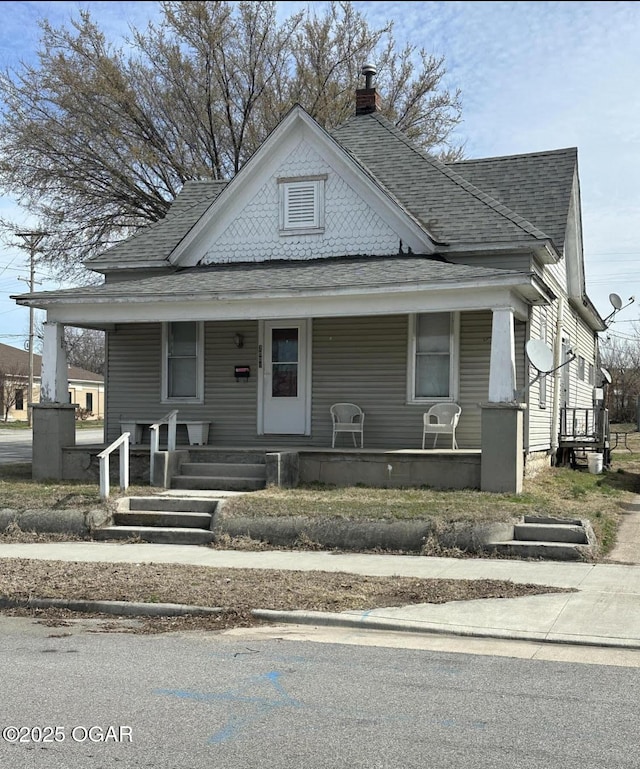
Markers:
point(182, 362)
point(301, 206)
point(360, 359)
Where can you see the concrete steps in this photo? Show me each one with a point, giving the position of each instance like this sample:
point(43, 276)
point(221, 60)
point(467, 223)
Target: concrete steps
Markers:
point(228, 474)
point(556, 539)
point(162, 520)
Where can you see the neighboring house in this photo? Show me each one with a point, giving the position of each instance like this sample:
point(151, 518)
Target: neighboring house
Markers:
point(85, 389)
point(349, 266)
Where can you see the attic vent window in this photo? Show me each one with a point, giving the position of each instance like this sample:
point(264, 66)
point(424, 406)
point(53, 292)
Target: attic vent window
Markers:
point(301, 205)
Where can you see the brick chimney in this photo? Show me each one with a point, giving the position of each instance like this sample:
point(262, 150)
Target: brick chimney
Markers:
point(367, 99)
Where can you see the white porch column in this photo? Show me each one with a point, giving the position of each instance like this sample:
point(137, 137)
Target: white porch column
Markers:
point(502, 466)
point(502, 366)
point(54, 426)
point(54, 385)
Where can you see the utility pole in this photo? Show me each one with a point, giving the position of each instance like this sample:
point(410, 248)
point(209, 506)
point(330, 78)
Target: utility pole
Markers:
point(32, 241)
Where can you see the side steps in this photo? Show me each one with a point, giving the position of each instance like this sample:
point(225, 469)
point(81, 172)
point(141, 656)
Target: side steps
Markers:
point(557, 539)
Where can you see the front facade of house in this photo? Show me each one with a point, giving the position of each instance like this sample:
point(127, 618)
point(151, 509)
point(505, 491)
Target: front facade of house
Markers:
point(349, 267)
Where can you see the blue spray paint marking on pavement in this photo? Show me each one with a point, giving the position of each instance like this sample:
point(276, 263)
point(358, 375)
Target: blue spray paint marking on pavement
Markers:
point(262, 704)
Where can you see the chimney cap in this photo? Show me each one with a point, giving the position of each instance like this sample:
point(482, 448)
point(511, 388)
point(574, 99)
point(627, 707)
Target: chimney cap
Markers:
point(368, 69)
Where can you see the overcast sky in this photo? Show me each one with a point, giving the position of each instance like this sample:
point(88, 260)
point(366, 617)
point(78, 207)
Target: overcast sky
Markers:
point(533, 75)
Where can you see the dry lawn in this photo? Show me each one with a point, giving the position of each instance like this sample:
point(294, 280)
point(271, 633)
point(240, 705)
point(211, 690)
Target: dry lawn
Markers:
point(236, 591)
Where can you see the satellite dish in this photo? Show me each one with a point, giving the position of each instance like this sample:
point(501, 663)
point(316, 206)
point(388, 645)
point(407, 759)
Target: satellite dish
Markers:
point(606, 375)
point(616, 302)
point(540, 356)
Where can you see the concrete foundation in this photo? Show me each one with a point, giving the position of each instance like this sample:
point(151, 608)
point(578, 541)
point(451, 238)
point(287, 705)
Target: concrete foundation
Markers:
point(54, 427)
point(393, 469)
point(502, 447)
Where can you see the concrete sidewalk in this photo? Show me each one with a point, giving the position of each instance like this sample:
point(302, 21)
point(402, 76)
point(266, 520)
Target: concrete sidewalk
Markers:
point(604, 610)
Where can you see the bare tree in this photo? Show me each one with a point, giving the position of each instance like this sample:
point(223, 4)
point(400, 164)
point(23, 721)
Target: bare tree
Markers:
point(97, 140)
point(621, 357)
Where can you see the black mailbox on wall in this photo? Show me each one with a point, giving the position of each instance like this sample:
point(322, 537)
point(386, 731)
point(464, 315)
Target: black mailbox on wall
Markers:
point(242, 372)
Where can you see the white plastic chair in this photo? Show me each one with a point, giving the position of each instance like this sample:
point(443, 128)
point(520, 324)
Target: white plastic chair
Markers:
point(441, 419)
point(347, 418)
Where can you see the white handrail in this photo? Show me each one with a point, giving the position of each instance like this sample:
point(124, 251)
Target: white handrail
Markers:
point(170, 420)
point(123, 444)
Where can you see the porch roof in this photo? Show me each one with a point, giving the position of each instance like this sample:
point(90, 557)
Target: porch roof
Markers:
point(354, 275)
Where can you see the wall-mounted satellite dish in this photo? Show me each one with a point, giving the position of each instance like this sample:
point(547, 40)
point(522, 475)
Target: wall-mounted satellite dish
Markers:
point(539, 355)
point(606, 376)
point(541, 358)
point(616, 302)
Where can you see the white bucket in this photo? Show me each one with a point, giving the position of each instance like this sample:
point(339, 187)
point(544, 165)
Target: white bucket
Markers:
point(595, 463)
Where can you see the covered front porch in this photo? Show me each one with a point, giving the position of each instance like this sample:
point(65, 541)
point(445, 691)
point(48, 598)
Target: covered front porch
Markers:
point(263, 379)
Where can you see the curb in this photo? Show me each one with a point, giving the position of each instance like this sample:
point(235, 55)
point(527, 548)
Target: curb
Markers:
point(362, 621)
point(366, 622)
point(123, 608)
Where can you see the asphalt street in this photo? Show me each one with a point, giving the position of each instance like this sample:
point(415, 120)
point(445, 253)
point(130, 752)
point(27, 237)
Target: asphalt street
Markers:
point(73, 699)
point(15, 445)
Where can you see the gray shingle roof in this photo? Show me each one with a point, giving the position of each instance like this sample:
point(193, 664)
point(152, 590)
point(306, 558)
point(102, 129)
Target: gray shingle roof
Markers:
point(523, 198)
point(449, 206)
point(286, 275)
point(153, 244)
point(536, 185)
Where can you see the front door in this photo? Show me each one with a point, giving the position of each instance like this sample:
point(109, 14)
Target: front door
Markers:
point(285, 378)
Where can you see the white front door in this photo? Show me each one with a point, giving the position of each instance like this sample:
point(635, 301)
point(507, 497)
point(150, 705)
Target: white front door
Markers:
point(286, 398)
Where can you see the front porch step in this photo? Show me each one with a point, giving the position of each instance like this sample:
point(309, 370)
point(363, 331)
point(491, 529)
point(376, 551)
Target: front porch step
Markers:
point(156, 535)
point(173, 504)
point(220, 483)
point(546, 532)
point(162, 519)
point(551, 551)
point(224, 470)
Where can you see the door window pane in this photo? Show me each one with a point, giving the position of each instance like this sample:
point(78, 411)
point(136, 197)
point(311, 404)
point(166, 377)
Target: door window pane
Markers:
point(284, 345)
point(284, 362)
point(284, 380)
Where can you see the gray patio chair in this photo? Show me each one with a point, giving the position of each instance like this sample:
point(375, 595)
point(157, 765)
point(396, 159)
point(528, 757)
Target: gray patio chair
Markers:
point(441, 419)
point(347, 418)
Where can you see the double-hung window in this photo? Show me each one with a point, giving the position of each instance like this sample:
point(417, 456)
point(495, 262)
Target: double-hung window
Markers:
point(182, 376)
point(433, 356)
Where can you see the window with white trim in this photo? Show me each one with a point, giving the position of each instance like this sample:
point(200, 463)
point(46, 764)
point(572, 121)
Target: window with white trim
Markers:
point(433, 356)
point(301, 205)
point(182, 361)
point(581, 364)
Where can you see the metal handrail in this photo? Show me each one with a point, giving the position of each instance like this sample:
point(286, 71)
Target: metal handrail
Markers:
point(170, 420)
point(123, 444)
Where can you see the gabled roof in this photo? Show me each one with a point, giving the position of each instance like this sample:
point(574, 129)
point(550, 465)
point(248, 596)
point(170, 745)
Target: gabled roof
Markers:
point(449, 206)
point(152, 246)
point(521, 199)
point(14, 361)
point(536, 185)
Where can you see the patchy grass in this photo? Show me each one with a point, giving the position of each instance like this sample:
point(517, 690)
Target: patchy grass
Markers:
point(18, 491)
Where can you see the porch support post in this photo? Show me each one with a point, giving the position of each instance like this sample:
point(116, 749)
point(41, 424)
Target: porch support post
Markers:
point(54, 425)
point(502, 467)
point(502, 366)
